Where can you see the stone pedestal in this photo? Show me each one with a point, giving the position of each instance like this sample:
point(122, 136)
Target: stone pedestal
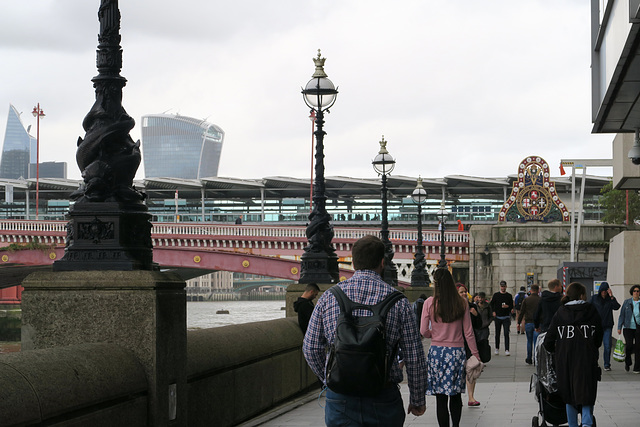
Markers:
point(143, 311)
point(107, 236)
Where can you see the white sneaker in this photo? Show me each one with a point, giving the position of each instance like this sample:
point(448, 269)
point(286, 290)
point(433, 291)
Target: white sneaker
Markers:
point(496, 352)
point(506, 353)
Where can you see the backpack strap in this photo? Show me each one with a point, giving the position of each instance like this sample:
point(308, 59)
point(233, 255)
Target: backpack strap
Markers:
point(382, 308)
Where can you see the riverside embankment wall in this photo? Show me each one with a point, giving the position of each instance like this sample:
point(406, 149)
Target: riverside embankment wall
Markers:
point(234, 373)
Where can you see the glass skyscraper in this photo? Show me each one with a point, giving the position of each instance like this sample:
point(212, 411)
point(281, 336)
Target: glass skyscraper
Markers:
point(19, 149)
point(180, 147)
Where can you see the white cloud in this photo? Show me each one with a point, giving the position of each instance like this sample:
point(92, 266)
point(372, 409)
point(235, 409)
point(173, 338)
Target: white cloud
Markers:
point(456, 87)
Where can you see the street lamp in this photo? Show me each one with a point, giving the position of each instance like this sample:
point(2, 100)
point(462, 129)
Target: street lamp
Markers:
point(384, 164)
point(419, 275)
point(442, 214)
point(319, 262)
point(37, 112)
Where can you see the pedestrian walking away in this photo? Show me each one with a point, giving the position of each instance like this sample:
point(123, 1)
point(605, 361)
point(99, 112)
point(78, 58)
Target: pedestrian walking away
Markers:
point(527, 311)
point(446, 320)
point(417, 309)
point(575, 335)
point(517, 305)
point(549, 304)
point(502, 307)
point(628, 322)
point(605, 303)
point(366, 287)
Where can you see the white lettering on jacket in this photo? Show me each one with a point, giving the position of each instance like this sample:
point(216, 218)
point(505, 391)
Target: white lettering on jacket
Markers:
point(568, 331)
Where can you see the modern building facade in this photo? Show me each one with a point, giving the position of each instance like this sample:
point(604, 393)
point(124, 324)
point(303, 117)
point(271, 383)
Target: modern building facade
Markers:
point(49, 170)
point(19, 149)
point(180, 147)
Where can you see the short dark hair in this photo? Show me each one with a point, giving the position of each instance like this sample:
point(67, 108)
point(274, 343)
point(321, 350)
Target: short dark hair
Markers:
point(535, 288)
point(503, 283)
point(482, 295)
point(312, 287)
point(554, 283)
point(632, 288)
point(367, 253)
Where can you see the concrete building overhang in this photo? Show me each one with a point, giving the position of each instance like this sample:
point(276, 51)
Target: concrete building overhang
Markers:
point(615, 66)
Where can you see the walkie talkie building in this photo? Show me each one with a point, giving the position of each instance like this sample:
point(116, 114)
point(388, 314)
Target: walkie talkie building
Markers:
point(180, 147)
point(19, 149)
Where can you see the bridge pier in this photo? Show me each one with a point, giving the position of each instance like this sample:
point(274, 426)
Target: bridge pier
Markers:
point(143, 311)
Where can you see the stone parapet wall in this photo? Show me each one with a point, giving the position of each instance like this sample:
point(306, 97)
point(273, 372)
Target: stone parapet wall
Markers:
point(234, 374)
point(80, 385)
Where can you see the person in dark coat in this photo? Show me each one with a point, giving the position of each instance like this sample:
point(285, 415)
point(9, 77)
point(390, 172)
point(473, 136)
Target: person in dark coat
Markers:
point(575, 335)
point(549, 303)
point(417, 308)
point(605, 302)
point(304, 305)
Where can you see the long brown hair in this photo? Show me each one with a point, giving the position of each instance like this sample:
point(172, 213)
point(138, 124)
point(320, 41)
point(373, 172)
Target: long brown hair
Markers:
point(448, 306)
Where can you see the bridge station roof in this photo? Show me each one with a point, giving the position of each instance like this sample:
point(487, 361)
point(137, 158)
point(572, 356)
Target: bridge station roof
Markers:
point(280, 187)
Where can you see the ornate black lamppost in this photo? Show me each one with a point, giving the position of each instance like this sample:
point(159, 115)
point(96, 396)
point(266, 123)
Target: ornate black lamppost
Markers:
point(319, 262)
point(442, 214)
point(419, 275)
point(109, 226)
point(384, 164)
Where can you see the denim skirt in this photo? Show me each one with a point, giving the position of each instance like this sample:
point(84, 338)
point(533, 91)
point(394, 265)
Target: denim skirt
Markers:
point(446, 373)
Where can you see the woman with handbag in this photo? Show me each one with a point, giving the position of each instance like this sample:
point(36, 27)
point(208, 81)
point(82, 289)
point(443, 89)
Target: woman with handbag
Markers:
point(476, 323)
point(446, 320)
point(628, 324)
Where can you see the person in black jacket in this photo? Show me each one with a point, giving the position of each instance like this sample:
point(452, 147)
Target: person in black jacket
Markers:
point(605, 302)
point(575, 335)
point(304, 305)
point(549, 303)
point(501, 307)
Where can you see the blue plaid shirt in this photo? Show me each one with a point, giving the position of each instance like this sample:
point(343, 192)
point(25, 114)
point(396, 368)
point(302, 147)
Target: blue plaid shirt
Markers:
point(367, 287)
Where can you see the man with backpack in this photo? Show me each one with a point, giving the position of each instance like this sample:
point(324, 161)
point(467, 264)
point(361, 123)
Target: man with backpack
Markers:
point(517, 304)
point(360, 374)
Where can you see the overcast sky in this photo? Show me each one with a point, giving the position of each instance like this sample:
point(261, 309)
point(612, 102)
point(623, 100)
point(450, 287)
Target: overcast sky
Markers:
point(456, 87)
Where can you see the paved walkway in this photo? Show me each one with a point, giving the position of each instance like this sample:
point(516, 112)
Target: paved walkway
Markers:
point(503, 390)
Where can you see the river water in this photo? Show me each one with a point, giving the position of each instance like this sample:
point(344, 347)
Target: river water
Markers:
point(203, 315)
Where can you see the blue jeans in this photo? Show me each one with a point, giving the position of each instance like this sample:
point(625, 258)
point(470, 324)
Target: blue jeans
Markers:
point(506, 322)
point(572, 415)
point(606, 343)
point(532, 337)
point(385, 409)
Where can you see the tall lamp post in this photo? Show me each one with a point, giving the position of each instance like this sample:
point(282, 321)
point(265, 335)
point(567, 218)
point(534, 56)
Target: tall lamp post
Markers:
point(37, 112)
point(319, 262)
point(419, 275)
point(442, 214)
point(384, 164)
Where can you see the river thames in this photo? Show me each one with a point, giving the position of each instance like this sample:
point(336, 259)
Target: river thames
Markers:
point(205, 314)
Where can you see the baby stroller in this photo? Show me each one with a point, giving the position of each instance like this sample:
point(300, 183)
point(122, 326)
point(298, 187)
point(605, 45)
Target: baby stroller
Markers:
point(552, 408)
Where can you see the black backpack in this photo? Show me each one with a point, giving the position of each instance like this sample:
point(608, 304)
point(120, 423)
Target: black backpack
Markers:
point(359, 364)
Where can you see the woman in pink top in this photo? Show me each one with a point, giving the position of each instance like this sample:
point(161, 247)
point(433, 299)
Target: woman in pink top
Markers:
point(445, 319)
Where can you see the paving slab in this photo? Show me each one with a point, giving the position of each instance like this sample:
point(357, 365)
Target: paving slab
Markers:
point(503, 390)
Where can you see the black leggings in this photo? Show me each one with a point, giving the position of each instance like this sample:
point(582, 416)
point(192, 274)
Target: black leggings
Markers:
point(455, 406)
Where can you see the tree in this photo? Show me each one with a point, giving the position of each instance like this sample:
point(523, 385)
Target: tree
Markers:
point(614, 203)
